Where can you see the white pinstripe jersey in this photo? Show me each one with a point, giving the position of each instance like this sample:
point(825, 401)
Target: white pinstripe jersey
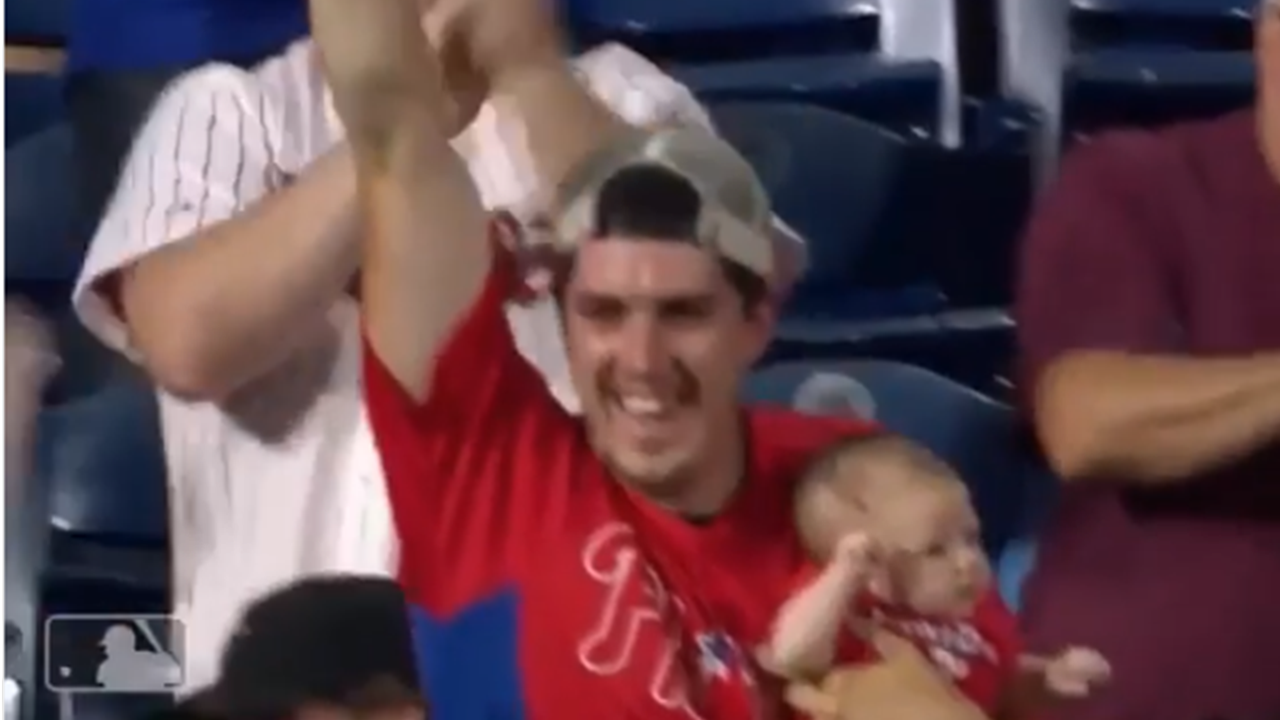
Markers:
point(253, 506)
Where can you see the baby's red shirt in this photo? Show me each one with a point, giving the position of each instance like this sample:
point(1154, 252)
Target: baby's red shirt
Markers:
point(979, 652)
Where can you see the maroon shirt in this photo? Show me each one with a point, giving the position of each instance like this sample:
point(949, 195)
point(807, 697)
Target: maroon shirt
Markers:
point(1162, 242)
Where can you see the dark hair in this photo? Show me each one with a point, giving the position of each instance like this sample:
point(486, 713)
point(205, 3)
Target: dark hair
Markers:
point(653, 201)
point(378, 694)
point(188, 709)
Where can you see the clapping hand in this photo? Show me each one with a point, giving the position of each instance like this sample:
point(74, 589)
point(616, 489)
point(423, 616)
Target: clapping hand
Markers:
point(378, 65)
point(501, 37)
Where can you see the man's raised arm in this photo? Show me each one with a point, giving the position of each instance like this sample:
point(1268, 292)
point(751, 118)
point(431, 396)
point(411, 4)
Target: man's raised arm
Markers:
point(425, 251)
point(519, 46)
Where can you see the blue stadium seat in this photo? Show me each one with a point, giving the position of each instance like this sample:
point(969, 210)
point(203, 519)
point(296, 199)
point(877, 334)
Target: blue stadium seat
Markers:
point(41, 22)
point(41, 246)
point(1013, 566)
point(892, 61)
point(877, 210)
point(1084, 65)
point(106, 475)
point(971, 347)
point(1190, 24)
point(1197, 9)
point(1152, 86)
point(898, 95)
point(682, 31)
point(981, 438)
point(33, 101)
point(847, 186)
point(985, 194)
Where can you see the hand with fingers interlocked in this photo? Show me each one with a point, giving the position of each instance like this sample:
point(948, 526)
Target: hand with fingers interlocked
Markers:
point(500, 37)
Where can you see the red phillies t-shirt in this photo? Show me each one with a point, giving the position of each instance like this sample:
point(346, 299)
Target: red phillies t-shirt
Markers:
point(542, 588)
point(979, 653)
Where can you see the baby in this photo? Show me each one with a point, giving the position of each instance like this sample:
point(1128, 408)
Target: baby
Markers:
point(895, 541)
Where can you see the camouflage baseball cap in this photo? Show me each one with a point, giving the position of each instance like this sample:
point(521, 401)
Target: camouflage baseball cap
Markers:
point(735, 219)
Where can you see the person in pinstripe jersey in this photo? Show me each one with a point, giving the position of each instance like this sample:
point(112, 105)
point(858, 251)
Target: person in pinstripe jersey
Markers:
point(224, 266)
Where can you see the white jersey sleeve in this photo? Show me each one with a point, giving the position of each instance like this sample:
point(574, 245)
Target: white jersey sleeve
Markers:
point(642, 94)
point(206, 152)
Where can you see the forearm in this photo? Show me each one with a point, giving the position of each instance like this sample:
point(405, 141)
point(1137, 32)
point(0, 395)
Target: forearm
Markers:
point(804, 636)
point(1155, 419)
point(213, 312)
point(425, 253)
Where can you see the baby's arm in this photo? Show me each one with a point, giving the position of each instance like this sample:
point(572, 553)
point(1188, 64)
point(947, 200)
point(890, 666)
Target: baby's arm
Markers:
point(805, 632)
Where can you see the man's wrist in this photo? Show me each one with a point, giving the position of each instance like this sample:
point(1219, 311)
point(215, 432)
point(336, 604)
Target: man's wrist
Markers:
point(550, 70)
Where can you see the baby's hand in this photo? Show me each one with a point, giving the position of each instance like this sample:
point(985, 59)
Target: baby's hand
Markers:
point(1076, 672)
point(855, 554)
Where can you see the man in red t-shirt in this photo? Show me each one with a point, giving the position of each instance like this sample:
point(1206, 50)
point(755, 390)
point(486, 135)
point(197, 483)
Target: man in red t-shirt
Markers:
point(624, 564)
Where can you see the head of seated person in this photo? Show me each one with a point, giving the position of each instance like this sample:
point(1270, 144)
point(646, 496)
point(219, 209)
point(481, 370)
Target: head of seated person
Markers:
point(324, 648)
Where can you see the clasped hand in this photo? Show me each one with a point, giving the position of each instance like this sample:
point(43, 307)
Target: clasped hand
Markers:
point(901, 685)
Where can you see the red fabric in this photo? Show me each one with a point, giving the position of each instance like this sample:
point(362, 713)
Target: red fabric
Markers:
point(979, 653)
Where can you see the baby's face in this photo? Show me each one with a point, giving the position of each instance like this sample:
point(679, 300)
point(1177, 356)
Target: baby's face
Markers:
point(935, 563)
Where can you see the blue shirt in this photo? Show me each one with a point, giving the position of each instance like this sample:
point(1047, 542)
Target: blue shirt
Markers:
point(147, 34)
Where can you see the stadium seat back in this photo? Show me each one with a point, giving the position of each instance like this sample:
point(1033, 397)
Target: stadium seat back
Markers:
point(978, 436)
point(1084, 66)
point(851, 189)
point(42, 243)
point(1017, 555)
point(1188, 24)
point(107, 474)
point(971, 347)
point(832, 177)
point(902, 95)
point(33, 102)
point(1200, 9)
point(36, 22)
point(723, 30)
point(1151, 86)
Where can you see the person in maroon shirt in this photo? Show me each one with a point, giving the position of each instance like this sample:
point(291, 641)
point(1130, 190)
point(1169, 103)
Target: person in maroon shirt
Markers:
point(1149, 331)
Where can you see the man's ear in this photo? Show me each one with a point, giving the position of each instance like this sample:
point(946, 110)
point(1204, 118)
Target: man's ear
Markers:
point(764, 320)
